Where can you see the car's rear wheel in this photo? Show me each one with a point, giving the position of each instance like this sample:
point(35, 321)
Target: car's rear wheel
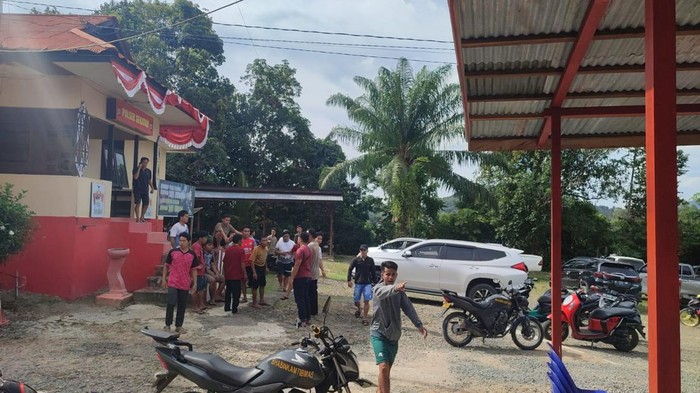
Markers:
point(480, 292)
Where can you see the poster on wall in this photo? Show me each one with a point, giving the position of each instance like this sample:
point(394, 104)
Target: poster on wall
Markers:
point(97, 200)
point(173, 197)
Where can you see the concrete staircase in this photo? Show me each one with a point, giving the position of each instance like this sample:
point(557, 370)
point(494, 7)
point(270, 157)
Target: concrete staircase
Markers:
point(154, 293)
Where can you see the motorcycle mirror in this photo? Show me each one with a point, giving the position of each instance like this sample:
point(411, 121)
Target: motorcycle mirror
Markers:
point(327, 305)
point(326, 308)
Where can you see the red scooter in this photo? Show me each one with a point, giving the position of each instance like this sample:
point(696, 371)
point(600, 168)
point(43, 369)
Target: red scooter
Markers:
point(617, 326)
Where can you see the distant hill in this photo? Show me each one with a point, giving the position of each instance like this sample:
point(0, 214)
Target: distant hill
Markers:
point(450, 204)
point(605, 210)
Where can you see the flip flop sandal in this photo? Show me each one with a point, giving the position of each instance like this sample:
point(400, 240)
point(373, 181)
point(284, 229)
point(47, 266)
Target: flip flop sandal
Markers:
point(365, 322)
point(357, 314)
point(244, 301)
point(284, 297)
point(264, 304)
point(255, 306)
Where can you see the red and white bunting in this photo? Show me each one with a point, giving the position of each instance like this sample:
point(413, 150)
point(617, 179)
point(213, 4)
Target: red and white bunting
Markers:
point(175, 136)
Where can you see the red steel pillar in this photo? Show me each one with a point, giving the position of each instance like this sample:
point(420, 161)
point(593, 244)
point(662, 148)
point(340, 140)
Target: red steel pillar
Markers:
point(662, 213)
point(555, 265)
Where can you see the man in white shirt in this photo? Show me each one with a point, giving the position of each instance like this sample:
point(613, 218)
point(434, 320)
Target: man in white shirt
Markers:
point(179, 228)
point(285, 259)
point(316, 268)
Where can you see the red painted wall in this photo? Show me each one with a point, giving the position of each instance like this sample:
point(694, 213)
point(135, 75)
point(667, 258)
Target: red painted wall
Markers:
point(67, 256)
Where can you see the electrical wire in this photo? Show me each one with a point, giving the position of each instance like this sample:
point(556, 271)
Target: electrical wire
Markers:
point(341, 53)
point(335, 33)
point(125, 38)
point(49, 5)
point(274, 28)
point(248, 31)
point(350, 44)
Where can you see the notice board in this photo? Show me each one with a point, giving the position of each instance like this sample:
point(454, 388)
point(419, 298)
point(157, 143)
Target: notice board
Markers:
point(173, 197)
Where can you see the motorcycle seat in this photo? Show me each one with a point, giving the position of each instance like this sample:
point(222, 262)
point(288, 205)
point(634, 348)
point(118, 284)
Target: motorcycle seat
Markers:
point(605, 313)
point(484, 304)
point(220, 369)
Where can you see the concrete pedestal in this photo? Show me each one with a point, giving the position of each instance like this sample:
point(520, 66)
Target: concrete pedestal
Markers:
point(117, 296)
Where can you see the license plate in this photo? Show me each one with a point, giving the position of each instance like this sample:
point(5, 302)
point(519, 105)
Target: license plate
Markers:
point(446, 304)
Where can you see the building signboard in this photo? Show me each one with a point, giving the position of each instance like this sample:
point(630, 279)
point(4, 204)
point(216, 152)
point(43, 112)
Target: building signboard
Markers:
point(173, 197)
point(128, 115)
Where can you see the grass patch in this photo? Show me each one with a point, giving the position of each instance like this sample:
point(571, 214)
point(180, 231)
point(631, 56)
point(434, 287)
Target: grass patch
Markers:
point(337, 268)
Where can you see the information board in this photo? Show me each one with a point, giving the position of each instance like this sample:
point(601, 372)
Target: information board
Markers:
point(173, 197)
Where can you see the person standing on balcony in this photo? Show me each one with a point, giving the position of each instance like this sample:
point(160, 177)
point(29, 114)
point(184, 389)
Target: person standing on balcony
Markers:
point(143, 179)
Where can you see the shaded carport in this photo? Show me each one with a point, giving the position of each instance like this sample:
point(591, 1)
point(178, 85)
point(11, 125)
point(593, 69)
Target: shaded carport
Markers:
point(270, 196)
point(553, 74)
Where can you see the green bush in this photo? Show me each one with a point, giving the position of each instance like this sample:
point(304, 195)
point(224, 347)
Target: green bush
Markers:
point(15, 222)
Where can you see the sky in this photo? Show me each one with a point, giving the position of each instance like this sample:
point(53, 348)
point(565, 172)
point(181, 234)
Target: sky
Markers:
point(322, 75)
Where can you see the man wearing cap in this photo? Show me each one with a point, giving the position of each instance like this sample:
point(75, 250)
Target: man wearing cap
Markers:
point(365, 277)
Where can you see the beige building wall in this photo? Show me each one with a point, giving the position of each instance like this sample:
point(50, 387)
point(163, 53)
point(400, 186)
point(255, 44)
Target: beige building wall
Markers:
point(57, 196)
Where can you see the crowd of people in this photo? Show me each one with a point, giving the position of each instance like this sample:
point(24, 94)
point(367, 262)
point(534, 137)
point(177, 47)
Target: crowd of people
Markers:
point(220, 268)
point(223, 265)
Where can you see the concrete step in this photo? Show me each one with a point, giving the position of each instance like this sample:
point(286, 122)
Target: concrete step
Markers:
point(156, 237)
point(140, 227)
point(154, 282)
point(151, 296)
point(158, 271)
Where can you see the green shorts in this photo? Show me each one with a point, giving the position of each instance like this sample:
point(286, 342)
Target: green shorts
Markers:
point(384, 350)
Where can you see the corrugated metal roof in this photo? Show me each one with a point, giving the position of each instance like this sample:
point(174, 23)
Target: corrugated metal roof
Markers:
point(481, 20)
point(49, 32)
point(506, 128)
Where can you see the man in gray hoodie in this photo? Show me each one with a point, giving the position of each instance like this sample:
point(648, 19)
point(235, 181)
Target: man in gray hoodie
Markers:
point(389, 300)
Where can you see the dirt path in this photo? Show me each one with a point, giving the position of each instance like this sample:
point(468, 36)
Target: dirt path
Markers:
point(78, 347)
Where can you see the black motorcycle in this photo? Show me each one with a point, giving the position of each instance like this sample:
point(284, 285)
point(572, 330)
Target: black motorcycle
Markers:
point(331, 367)
point(11, 386)
point(493, 317)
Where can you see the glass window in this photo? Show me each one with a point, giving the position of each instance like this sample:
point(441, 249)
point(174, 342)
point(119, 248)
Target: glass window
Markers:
point(428, 251)
point(485, 254)
point(610, 267)
point(685, 271)
point(392, 246)
point(459, 253)
point(410, 243)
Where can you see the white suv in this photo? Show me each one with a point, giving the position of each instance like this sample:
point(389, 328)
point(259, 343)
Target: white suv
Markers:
point(470, 268)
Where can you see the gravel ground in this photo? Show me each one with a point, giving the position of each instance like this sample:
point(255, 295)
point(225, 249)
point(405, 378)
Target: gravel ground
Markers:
point(78, 347)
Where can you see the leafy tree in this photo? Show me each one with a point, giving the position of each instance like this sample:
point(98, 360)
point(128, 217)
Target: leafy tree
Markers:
point(15, 222)
point(689, 222)
point(630, 228)
point(522, 189)
point(465, 224)
point(402, 124)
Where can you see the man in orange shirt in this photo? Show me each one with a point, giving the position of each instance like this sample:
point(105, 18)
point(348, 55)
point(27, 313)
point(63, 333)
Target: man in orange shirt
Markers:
point(248, 244)
point(259, 261)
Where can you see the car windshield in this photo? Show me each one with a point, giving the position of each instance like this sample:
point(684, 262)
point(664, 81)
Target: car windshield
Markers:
point(617, 268)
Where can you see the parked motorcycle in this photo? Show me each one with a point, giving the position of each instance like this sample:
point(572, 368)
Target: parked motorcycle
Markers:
point(690, 316)
point(12, 386)
point(595, 298)
point(617, 326)
point(493, 317)
point(331, 368)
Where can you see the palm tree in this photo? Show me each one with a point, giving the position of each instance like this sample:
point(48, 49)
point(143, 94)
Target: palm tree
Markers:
point(405, 126)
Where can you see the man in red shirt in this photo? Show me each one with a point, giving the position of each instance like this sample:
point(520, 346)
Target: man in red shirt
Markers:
point(182, 264)
point(199, 240)
point(248, 244)
point(234, 273)
point(301, 280)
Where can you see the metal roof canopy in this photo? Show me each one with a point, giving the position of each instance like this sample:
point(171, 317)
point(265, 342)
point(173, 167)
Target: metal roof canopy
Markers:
point(262, 194)
point(519, 59)
point(328, 198)
point(539, 74)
